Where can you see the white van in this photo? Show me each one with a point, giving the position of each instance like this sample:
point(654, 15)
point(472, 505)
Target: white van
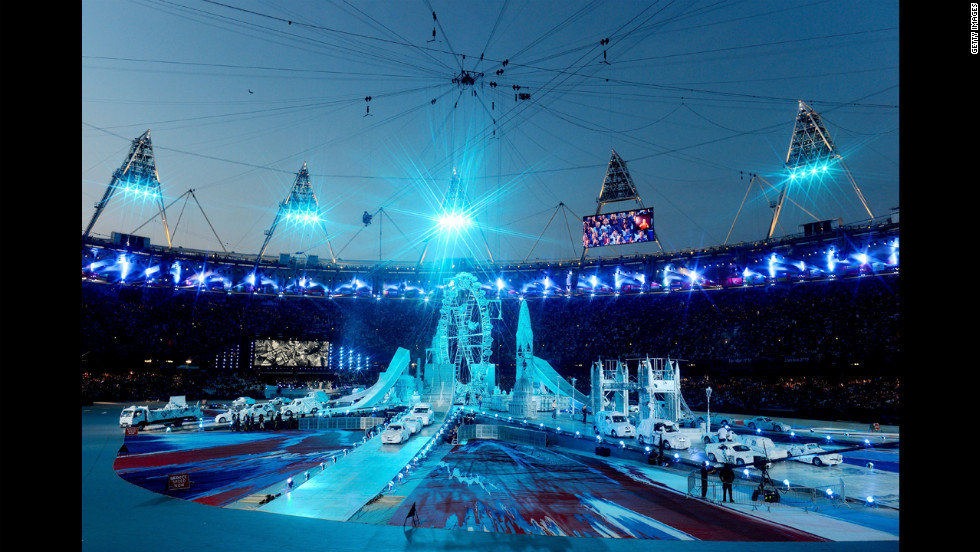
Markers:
point(613, 424)
point(424, 413)
point(654, 430)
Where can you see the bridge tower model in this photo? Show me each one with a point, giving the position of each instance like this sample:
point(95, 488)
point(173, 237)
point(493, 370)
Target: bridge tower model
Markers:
point(137, 176)
point(659, 382)
point(611, 386)
point(300, 208)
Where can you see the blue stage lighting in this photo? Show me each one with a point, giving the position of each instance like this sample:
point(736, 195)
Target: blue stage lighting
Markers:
point(453, 221)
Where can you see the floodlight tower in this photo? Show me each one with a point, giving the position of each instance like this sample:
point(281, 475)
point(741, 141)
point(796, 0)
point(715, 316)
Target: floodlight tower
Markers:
point(811, 151)
point(617, 186)
point(138, 176)
point(300, 207)
point(455, 214)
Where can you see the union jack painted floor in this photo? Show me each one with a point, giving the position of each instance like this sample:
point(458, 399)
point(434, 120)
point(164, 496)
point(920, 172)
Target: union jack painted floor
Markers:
point(482, 486)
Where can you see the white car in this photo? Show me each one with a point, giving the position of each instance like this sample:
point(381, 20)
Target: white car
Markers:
point(811, 453)
point(763, 446)
point(613, 424)
point(730, 453)
point(413, 424)
point(266, 410)
point(765, 423)
point(395, 433)
point(242, 402)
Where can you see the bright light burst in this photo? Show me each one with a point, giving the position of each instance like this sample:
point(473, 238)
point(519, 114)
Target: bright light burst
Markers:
point(454, 222)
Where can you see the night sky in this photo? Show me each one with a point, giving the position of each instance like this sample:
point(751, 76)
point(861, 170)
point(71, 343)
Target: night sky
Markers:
point(694, 96)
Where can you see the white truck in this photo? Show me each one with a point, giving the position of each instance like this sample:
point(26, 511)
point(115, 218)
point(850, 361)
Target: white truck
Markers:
point(301, 407)
point(175, 412)
point(653, 430)
point(313, 402)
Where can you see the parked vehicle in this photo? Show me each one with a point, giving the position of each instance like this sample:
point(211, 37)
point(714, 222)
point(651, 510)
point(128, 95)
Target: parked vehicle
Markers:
point(301, 407)
point(395, 433)
point(812, 453)
point(613, 424)
point(723, 435)
point(763, 446)
point(175, 412)
point(266, 410)
point(765, 423)
point(241, 402)
point(691, 422)
point(730, 453)
point(652, 431)
point(414, 425)
point(423, 411)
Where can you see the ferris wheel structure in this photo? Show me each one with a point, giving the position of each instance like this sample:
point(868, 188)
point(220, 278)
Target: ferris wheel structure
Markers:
point(464, 334)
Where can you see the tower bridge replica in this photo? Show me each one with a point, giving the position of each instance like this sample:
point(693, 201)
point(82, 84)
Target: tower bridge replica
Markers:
point(656, 386)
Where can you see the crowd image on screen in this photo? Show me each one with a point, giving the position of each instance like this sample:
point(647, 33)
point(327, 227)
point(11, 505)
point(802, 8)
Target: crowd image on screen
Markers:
point(617, 228)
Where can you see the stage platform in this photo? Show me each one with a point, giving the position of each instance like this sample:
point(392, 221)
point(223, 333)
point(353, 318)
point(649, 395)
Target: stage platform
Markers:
point(485, 494)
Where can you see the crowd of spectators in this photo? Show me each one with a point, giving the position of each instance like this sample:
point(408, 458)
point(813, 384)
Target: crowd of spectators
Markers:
point(851, 398)
point(787, 329)
point(160, 385)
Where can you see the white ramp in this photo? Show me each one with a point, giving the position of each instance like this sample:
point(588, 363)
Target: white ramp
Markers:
point(386, 380)
point(548, 377)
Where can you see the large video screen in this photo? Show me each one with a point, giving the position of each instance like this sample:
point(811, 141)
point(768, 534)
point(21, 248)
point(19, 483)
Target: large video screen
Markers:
point(273, 352)
point(618, 228)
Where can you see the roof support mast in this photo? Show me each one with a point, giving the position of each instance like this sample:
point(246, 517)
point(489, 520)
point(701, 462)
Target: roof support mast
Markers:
point(301, 207)
point(137, 175)
point(811, 150)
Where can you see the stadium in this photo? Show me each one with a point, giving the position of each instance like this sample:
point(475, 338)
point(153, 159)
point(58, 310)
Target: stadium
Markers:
point(519, 294)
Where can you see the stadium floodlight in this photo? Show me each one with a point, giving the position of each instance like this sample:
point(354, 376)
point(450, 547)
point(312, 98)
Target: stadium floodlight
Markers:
point(454, 222)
